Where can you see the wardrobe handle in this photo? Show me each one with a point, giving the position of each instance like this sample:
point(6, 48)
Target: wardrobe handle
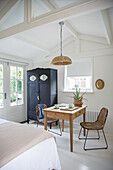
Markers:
point(38, 97)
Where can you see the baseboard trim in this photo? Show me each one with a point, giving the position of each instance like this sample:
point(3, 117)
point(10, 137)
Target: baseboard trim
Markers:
point(23, 121)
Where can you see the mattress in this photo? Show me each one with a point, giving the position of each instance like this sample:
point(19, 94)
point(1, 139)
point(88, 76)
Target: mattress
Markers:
point(42, 156)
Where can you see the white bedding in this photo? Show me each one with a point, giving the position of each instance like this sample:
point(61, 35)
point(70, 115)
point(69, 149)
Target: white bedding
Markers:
point(43, 156)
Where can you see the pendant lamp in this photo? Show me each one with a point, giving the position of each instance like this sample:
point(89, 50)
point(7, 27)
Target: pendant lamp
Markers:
point(61, 60)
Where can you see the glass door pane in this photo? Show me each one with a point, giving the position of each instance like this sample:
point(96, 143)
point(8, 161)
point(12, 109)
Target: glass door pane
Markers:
point(12, 78)
point(16, 85)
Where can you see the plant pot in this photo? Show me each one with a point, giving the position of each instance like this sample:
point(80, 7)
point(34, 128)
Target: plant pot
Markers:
point(78, 102)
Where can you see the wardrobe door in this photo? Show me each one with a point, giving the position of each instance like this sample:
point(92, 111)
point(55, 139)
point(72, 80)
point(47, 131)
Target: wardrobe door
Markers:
point(44, 94)
point(32, 93)
point(44, 86)
point(53, 90)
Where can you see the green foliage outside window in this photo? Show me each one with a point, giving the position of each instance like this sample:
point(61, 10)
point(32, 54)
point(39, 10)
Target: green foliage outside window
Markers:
point(1, 70)
point(12, 98)
point(13, 83)
point(19, 74)
point(19, 85)
point(1, 88)
point(12, 86)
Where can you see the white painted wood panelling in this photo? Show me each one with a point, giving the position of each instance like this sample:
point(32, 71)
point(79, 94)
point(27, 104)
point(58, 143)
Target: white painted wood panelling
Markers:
point(92, 46)
point(86, 24)
point(18, 48)
point(14, 16)
point(39, 8)
point(100, 98)
point(48, 35)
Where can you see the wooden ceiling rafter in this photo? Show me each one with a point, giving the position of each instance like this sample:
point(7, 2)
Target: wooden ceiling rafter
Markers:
point(76, 9)
point(104, 17)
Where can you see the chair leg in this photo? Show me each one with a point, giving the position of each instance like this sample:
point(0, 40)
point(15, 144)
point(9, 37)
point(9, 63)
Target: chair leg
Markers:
point(98, 135)
point(88, 138)
point(57, 123)
point(105, 139)
point(85, 140)
point(80, 134)
point(37, 123)
point(50, 126)
point(60, 128)
point(98, 147)
point(56, 132)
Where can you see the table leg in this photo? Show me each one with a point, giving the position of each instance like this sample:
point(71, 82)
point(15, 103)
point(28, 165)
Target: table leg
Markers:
point(71, 134)
point(84, 119)
point(62, 125)
point(45, 120)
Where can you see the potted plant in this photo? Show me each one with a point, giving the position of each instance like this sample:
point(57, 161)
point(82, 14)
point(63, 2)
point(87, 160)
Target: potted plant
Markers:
point(77, 97)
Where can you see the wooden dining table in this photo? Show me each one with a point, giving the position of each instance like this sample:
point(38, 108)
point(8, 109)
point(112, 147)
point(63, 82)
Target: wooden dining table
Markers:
point(65, 114)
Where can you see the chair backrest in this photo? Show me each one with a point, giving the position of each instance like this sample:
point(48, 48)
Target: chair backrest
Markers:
point(102, 116)
point(39, 110)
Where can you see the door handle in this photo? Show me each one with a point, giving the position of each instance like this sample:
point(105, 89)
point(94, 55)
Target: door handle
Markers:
point(5, 95)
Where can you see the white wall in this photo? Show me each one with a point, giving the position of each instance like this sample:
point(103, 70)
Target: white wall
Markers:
point(103, 60)
point(103, 69)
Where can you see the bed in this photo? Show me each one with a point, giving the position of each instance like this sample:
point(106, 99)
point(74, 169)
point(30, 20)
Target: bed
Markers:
point(19, 149)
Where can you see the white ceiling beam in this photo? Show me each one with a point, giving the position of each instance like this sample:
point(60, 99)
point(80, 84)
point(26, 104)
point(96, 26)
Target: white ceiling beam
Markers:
point(28, 10)
point(88, 54)
point(52, 6)
point(3, 4)
point(33, 43)
point(71, 29)
point(9, 13)
point(15, 58)
point(76, 9)
point(56, 48)
point(104, 17)
point(7, 8)
point(96, 53)
point(92, 38)
point(49, 5)
point(77, 46)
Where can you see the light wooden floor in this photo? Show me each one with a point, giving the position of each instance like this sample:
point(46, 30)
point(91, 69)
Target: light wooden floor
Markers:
point(80, 159)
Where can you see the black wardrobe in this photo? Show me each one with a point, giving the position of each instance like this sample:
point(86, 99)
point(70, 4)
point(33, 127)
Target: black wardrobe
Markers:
point(41, 89)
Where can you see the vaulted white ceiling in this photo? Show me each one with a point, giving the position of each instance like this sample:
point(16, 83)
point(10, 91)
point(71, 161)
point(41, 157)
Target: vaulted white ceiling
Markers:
point(39, 41)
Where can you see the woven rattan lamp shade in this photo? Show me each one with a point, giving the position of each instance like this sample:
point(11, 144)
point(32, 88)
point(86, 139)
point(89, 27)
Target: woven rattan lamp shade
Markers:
point(61, 60)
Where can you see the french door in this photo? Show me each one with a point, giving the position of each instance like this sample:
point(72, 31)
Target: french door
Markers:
point(3, 103)
point(12, 87)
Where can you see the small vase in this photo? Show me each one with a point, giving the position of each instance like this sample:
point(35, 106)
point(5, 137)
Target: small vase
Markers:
point(78, 102)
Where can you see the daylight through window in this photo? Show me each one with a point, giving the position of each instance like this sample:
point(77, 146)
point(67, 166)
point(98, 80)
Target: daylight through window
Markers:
point(79, 73)
point(16, 85)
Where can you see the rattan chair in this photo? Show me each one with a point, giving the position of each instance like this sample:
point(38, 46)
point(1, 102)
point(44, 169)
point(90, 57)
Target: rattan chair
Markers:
point(97, 125)
point(50, 121)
